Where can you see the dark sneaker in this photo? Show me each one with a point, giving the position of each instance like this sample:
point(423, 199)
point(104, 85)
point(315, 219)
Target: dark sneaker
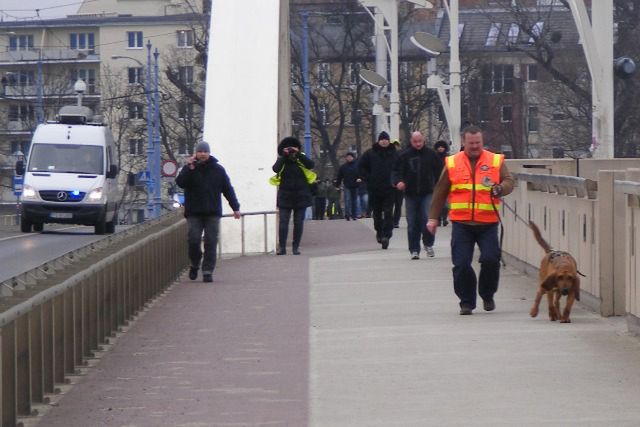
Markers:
point(378, 238)
point(281, 252)
point(385, 242)
point(415, 255)
point(489, 304)
point(465, 310)
point(296, 251)
point(207, 278)
point(193, 273)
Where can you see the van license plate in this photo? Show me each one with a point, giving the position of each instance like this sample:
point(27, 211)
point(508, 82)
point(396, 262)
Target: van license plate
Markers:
point(61, 215)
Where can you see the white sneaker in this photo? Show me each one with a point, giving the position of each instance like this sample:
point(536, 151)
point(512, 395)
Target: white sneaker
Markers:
point(415, 255)
point(430, 252)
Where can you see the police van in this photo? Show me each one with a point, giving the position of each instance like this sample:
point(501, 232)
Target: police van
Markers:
point(70, 176)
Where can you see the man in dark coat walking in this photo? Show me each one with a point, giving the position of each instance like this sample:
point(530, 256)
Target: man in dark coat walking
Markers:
point(415, 173)
point(349, 179)
point(204, 180)
point(375, 167)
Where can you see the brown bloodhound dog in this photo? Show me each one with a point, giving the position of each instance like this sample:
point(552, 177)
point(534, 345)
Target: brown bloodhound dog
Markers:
point(558, 277)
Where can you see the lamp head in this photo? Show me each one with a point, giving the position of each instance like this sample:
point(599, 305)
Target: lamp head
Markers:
point(428, 42)
point(373, 78)
point(80, 86)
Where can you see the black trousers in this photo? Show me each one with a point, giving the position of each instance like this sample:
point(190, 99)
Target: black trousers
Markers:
point(382, 203)
point(283, 226)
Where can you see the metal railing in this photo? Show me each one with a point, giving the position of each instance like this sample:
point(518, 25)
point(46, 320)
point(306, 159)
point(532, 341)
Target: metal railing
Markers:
point(54, 318)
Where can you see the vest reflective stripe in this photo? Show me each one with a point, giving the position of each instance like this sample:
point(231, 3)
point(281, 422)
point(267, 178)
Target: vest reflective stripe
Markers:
point(469, 198)
point(481, 206)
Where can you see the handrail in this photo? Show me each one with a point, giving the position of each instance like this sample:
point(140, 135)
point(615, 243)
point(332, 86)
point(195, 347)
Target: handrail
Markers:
point(569, 185)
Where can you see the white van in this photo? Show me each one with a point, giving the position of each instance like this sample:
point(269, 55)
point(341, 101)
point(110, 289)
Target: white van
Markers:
point(71, 174)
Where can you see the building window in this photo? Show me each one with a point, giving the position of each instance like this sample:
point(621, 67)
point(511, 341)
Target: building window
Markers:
point(185, 38)
point(89, 77)
point(497, 78)
point(136, 147)
point(184, 148)
point(134, 40)
point(185, 74)
point(82, 41)
point(494, 33)
point(354, 73)
point(558, 115)
point(20, 146)
point(20, 113)
point(135, 75)
point(532, 72)
point(512, 36)
point(537, 31)
point(533, 123)
point(442, 117)
point(334, 19)
point(355, 116)
point(405, 70)
point(21, 42)
point(324, 114)
point(136, 111)
point(185, 110)
point(323, 73)
point(20, 78)
point(506, 114)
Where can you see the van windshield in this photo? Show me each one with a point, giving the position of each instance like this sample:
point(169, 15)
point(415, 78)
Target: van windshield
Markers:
point(66, 158)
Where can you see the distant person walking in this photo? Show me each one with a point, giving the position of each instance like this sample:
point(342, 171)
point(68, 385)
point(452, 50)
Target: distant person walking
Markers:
point(294, 193)
point(399, 195)
point(204, 180)
point(442, 150)
point(474, 180)
point(375, 168)
point(415, 173)
point(349, 179)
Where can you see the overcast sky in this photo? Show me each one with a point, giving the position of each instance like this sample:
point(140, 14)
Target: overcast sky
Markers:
point(10, 10)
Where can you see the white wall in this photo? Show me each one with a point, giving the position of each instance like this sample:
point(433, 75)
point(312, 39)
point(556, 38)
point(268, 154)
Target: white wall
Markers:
point(241, 111)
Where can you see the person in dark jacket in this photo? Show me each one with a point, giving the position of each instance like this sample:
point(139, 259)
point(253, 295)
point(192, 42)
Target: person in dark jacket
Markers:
point(375, 167)
point(415, 173)
point(204, 180)
point(442, 150)
point(294, 194)
point(349, 178)
point(399, 196)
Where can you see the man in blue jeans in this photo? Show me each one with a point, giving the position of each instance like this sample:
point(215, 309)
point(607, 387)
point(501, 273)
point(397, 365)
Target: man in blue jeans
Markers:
point(349, 179)
point(415, 173)
point(203, 181)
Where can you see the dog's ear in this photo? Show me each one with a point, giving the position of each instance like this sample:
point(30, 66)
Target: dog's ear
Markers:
point(549, 282)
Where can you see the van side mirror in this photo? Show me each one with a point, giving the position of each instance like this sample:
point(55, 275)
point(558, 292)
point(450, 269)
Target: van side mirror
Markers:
point(113, 171)
point(20, 167)
point(131, 179)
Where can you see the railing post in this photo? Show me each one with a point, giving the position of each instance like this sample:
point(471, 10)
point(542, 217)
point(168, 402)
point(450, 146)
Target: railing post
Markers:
point(610, 250)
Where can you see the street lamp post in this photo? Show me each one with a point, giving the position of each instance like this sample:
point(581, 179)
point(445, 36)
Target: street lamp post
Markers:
point(155, 172)
point(451, 105)
point(599, 54)
point(80, 87)
point(306, 89)
point(151, 157)
point(387, 11)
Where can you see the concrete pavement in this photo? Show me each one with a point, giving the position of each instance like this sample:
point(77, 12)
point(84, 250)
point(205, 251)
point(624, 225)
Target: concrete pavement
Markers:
point(351, 335)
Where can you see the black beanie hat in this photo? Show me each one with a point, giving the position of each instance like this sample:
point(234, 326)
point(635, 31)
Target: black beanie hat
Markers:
point(383, 135)
point(441, 143)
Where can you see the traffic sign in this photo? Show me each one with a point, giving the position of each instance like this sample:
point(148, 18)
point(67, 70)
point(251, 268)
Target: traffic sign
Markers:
point(169, 168)
point(17, 183)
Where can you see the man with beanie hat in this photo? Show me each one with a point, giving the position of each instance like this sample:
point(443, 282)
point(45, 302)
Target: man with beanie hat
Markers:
point(375, 167)
point(204, 180)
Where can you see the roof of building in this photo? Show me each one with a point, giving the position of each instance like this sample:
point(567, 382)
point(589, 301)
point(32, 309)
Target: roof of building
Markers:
point(100, 20)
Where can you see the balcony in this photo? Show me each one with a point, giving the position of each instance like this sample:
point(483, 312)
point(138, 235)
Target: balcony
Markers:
point(48, 55)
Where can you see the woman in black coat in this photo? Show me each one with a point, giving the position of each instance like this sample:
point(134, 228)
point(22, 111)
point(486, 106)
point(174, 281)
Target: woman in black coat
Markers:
point(294, 193)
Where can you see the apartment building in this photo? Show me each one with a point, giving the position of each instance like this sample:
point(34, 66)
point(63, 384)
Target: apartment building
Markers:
point(106, 45)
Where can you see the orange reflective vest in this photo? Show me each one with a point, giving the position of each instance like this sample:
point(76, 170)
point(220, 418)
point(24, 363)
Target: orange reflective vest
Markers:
point(470, 191)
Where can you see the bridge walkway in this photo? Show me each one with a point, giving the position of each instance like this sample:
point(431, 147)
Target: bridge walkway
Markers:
point(348, 334)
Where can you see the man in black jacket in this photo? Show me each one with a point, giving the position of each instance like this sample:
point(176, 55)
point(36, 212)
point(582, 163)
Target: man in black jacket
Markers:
point(348, 177)
point(375, 167)
point(415, 173)
point(203, 181)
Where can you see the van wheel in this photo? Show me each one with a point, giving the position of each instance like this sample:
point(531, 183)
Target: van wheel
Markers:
point(111, 225)
point(100, 227)
point(25, 225)
point(38, 226)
